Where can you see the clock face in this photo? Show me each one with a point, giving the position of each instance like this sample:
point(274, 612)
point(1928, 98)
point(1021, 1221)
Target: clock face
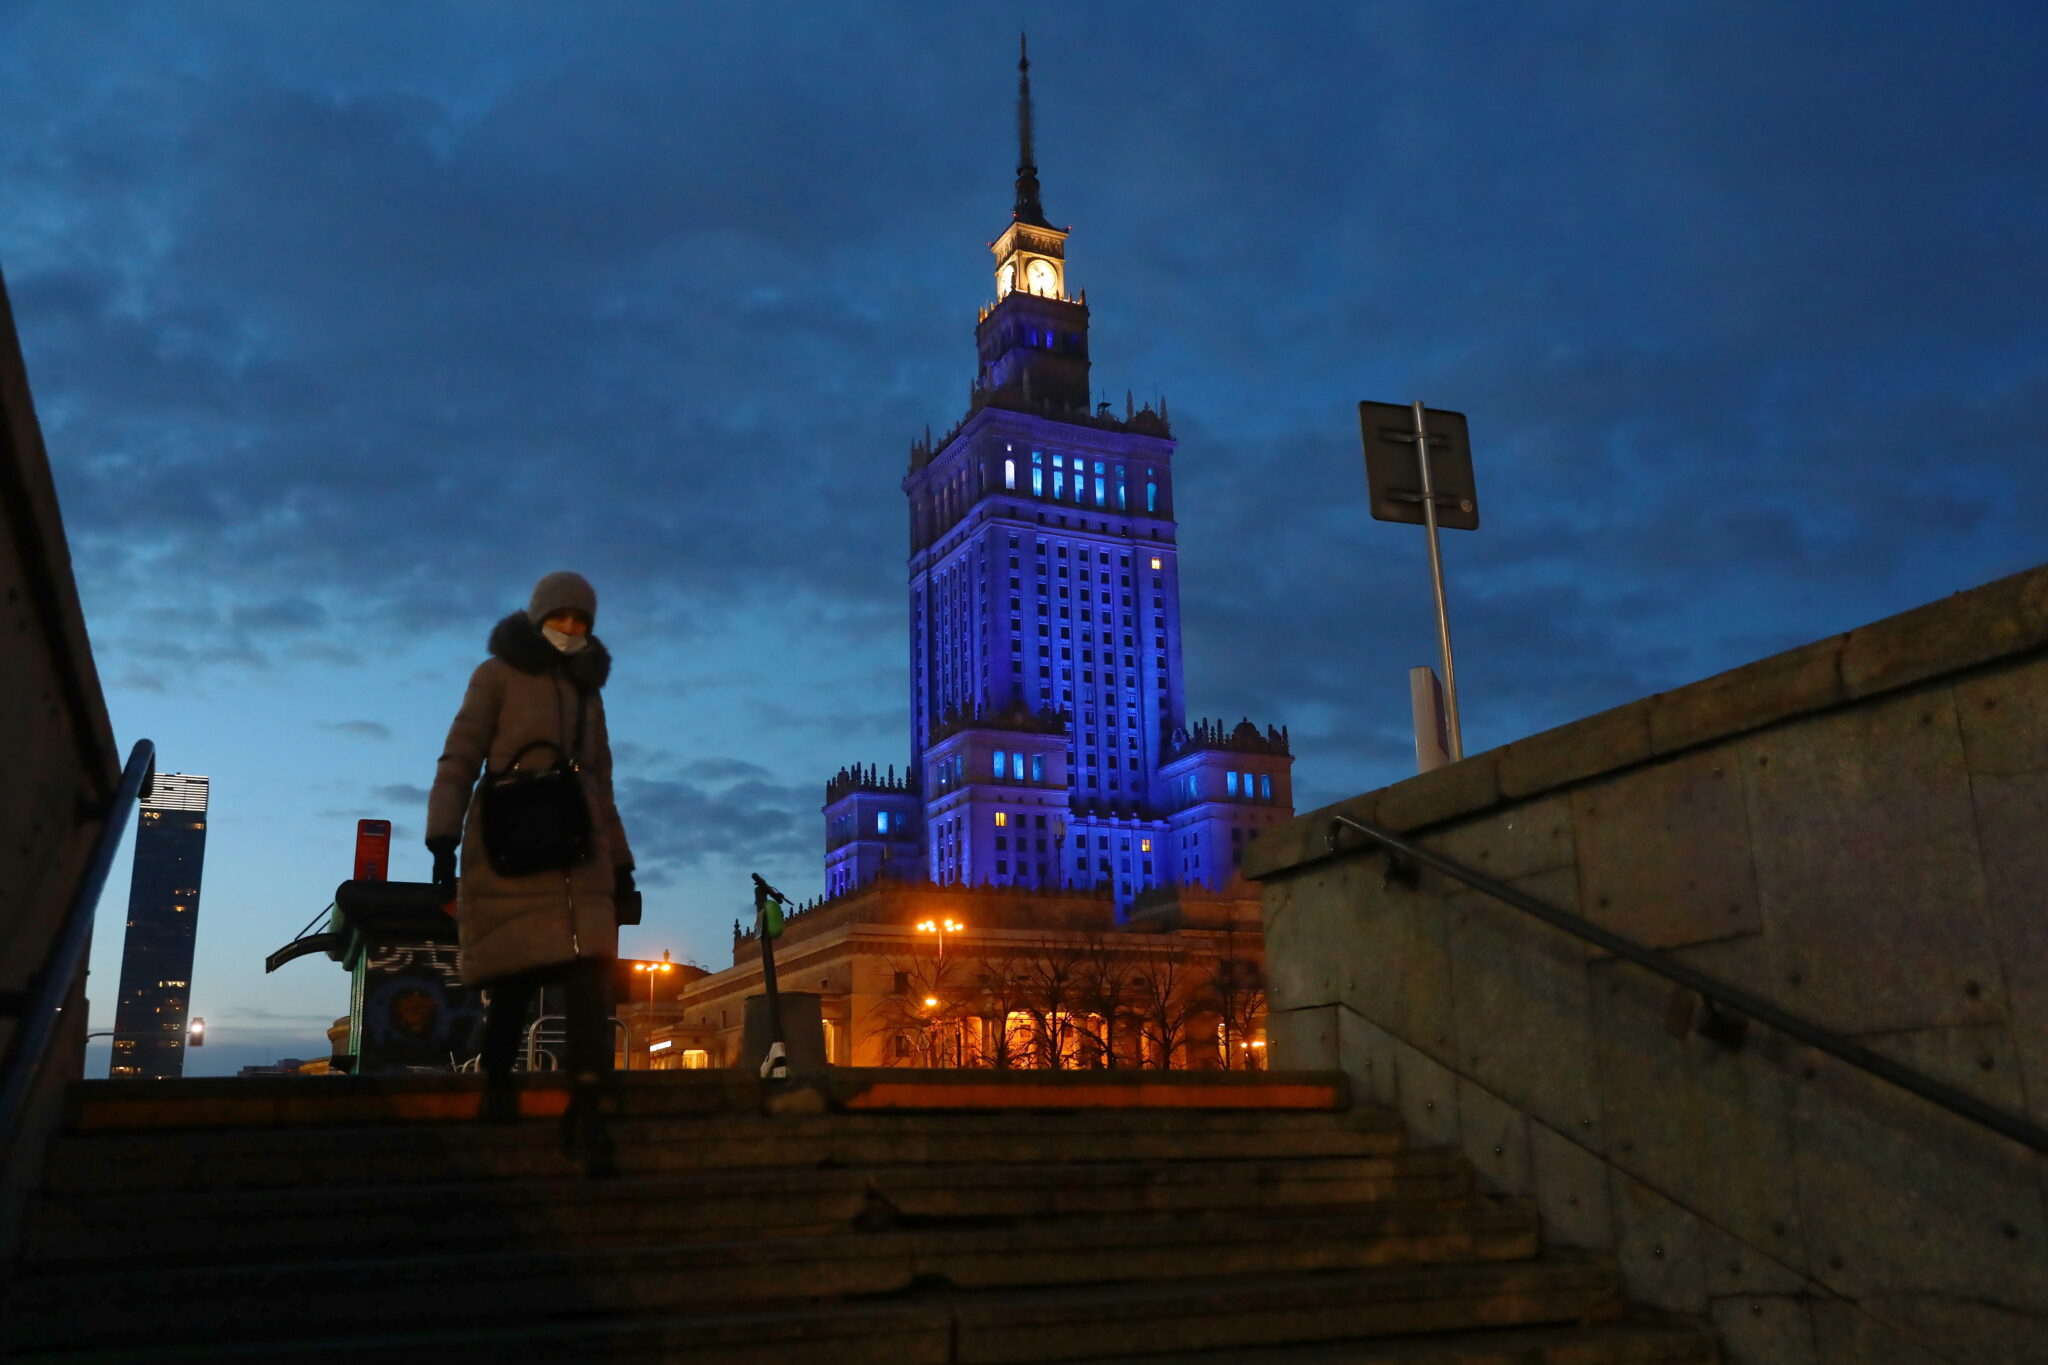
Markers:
point(1006, 280)
point(1041, 278)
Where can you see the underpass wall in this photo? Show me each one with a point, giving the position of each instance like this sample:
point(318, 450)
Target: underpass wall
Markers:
point(1856, 830)
point(62, 768)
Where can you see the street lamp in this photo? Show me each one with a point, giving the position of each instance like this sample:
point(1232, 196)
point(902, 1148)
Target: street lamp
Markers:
point(941, 927)
point(197, 1032)
point(653, 969)
point(1059, 843)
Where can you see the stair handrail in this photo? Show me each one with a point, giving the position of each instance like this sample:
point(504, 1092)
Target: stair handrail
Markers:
point(45, 991)
point(1718, 994)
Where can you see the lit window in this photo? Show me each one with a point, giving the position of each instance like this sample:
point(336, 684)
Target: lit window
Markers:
point(1002, 818)
point(1230, 783)
point(1001, 761)
point(1151, 496)
point(1009, 473)
point(881, 822)
point(1038, 767)
point(1145, 846)
point(1155, 561)
point(1266, 786)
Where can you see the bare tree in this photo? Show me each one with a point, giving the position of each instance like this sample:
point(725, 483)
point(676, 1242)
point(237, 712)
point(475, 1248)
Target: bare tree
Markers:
point(1051, 999)
point(1164, 995)
point(1104, 1016)
point(1235, 992)
point(919, 1019)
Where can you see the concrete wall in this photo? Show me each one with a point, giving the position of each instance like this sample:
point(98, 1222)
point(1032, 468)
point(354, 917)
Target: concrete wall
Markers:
point(62, 766)
point(1857, 830)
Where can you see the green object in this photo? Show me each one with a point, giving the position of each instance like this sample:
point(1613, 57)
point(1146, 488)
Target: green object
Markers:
point(771, 917)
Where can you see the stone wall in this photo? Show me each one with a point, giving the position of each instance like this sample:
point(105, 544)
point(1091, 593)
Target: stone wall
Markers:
point(1856, 830)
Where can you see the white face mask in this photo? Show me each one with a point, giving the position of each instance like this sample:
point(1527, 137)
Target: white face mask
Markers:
point(568, 644)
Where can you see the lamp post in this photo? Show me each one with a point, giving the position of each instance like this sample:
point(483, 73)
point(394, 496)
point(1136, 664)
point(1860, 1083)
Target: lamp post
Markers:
point(1059, 843)
point(653, 969)
point(942, 927)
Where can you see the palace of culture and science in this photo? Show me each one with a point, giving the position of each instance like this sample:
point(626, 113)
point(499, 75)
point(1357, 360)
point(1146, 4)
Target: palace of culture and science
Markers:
point(1060, 819)
point(1049, 741)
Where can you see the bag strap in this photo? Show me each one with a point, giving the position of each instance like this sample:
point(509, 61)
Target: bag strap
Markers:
point(524, 750)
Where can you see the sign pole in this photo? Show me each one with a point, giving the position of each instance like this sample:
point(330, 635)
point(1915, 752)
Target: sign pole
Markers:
point(1436, 579)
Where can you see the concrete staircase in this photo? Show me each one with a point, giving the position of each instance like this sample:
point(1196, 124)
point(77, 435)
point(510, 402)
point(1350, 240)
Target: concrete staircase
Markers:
point(868, 1217)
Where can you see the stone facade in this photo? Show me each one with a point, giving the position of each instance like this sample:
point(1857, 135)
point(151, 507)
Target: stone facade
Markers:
point(1027, 980)
point(1852, 830)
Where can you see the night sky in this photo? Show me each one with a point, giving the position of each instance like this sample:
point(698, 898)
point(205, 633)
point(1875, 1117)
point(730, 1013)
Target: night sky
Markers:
point(346, 322)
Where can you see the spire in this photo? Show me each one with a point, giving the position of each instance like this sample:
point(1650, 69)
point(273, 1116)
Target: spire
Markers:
point(1028, 209)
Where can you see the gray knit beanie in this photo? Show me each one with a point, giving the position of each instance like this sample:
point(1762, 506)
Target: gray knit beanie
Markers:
point(562, 591)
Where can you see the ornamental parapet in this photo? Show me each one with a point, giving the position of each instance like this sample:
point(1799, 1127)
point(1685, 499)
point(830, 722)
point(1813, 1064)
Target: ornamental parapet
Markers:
point(1015, 720)
point(847, 781)
point(1210, 736)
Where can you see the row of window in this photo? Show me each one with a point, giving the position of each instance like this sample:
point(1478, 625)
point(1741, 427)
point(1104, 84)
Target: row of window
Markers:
point(1258, 786)
point(1011, 766)
point(1065, 474)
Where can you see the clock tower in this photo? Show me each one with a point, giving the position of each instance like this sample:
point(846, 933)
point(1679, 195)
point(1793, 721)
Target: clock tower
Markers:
point(1033, 343)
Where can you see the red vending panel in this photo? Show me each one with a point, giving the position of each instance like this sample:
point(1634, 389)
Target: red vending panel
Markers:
point(373, 850)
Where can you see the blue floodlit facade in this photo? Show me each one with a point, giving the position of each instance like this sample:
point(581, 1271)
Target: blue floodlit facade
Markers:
point(1049, 740)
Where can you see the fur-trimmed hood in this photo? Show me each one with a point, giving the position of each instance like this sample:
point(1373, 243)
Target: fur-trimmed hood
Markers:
point(518, 642)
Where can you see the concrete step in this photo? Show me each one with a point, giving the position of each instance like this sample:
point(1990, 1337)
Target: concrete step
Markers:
point(898, 1335)
point(1237, 1305)
point(345, 1221)
point(252, 1158)
point(328, 1101)
point(1644, 1343)
point(223, 1299)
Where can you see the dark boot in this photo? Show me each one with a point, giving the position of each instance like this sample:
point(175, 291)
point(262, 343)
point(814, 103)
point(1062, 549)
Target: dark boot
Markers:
point(586, 1127)
point(500, 1103)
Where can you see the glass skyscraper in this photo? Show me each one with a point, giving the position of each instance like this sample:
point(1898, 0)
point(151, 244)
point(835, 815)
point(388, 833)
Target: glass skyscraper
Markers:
point(163, 919)
point(1050, 745)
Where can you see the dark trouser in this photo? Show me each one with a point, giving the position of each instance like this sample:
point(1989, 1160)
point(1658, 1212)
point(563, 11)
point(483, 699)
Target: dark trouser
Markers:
point(586, 990)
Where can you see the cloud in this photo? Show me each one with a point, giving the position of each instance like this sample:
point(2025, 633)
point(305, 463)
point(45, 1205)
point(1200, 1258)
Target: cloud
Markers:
point(750, 823)
point(401, 793)
point(358, 729)
point(280, 614)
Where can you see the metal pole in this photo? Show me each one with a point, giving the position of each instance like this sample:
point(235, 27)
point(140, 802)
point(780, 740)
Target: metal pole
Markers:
point(1436, 581)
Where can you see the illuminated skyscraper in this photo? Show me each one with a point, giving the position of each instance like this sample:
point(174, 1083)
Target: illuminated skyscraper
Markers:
point(163, 919)
point(1050, 745)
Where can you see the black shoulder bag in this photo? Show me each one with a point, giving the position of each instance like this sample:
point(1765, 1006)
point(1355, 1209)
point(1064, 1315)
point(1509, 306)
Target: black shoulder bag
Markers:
point(537, 819)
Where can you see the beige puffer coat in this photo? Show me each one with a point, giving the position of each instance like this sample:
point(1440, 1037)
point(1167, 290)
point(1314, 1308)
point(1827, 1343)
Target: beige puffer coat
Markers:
point(529, 691)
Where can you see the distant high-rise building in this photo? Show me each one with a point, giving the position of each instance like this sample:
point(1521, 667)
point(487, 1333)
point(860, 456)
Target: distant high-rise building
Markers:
point(1050, 742)
point(163, 919)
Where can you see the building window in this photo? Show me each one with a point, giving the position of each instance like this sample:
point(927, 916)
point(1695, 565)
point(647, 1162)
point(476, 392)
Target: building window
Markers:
point(1001, 764)
point(1038, 767)
point(1002, 819)
point(1145, 846)
point(1230, 783)
point(881, 822)
point(1151, 496)
point(1265, 786)
point(1009, 474)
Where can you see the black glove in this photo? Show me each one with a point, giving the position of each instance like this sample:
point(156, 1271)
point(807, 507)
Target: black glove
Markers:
point(443, 850)
point(625, 897)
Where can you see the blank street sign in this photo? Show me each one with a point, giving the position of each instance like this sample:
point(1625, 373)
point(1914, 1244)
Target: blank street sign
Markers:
point(1395, 481)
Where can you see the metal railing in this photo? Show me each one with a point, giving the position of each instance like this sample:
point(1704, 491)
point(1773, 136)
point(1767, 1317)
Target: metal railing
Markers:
point(1719, 995)
point(41, 1005)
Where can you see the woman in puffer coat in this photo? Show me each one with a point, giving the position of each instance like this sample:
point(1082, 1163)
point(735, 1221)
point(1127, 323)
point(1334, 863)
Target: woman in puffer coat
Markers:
point(521, 934)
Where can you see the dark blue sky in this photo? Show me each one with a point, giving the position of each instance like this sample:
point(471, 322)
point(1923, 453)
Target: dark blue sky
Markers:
point(347, 322)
